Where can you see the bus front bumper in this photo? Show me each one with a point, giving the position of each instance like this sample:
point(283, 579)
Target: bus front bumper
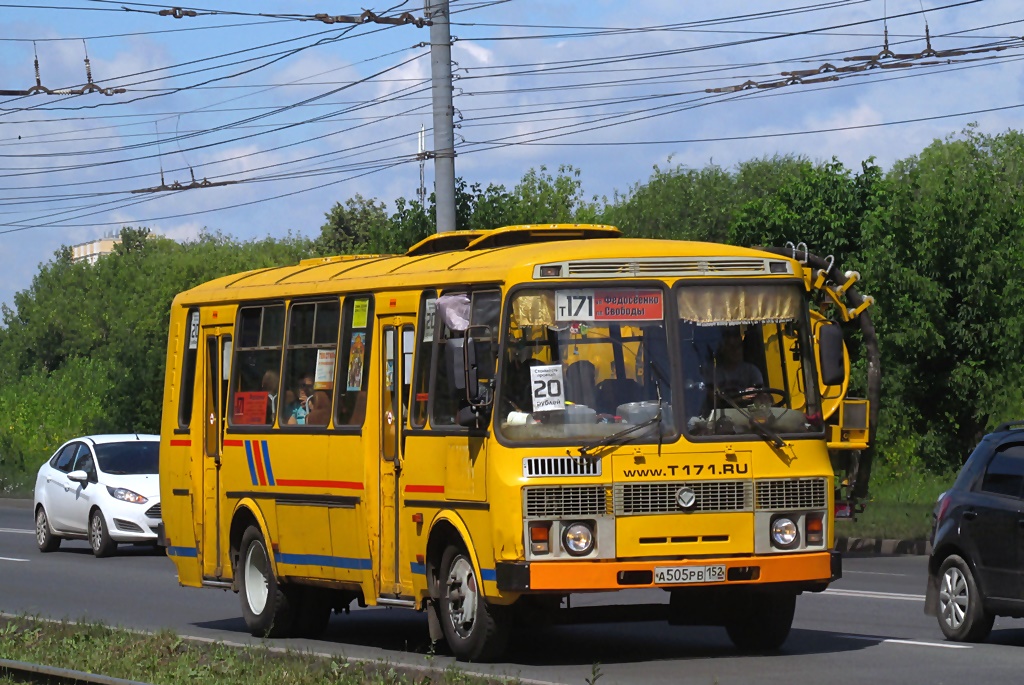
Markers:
point(809, 571)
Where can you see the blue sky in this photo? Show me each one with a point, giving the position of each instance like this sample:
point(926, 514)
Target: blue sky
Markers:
point(538, 83)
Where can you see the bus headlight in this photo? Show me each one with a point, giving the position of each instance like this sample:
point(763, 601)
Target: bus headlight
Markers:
point(785, 534)
point(578, 539)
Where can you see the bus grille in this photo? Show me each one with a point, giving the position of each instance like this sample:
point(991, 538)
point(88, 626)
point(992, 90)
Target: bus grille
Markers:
point(534, 467)
point(792, 493)
point(660, 267)
point(660, 498)
point(565, 502)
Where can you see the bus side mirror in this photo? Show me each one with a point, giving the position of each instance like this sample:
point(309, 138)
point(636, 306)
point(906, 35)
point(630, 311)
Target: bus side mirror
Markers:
point(831, 361)
point(479, 365)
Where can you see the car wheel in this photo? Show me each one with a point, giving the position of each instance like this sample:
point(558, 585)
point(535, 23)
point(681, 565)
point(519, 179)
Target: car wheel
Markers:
point(474, 629)
point(47, 541)
point(962, 615)
point(764, 622)
point(99, 537)
point(266, 607)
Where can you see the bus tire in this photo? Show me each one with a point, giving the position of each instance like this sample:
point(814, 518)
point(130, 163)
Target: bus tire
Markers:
point(266, 607)
point(763, 623)
point(474, 629)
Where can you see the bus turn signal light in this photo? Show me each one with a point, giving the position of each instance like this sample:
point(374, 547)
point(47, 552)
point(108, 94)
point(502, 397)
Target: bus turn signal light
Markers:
point(815, 529)
point(540, 534)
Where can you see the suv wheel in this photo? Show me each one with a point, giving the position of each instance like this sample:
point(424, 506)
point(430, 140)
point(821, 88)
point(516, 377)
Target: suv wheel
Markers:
point(962, 615)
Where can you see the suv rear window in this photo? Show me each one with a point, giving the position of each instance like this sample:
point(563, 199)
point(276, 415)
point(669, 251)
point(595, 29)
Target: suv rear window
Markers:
point(1004, 475)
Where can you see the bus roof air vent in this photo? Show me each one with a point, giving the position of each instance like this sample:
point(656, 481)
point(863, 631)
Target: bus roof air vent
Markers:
point(444, 242)
point(541, 233)
point(659, 267)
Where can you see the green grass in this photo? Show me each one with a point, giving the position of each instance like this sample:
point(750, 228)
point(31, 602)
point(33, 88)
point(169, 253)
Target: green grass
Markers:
point(166, 659)
point(900, 505)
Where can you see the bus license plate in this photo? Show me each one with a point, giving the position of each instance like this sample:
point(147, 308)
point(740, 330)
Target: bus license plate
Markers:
point(674, 575)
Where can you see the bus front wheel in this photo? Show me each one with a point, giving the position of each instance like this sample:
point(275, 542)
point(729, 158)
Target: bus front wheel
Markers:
point(474, 629)
point(265, 605)
point(764, 623)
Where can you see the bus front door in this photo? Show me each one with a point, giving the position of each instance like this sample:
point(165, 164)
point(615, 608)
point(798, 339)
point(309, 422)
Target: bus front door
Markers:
point(217, 350)
point(398, 336)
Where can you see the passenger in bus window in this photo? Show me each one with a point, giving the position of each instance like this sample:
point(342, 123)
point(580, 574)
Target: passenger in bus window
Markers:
point(271, 385)
point(297, 410)
point(731, 371)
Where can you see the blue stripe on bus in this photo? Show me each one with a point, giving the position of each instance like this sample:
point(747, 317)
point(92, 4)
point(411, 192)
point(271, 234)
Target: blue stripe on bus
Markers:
point(266, 461)
point(252, 463)
point(488, 574)
point(324, 560)
point(182, 552)
point(419, 569)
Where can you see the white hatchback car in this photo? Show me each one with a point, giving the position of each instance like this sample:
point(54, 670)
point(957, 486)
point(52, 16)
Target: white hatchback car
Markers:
point(100, 488)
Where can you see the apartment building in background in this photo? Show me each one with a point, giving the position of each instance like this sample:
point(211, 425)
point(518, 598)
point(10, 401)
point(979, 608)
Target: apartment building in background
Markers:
point(94, 249)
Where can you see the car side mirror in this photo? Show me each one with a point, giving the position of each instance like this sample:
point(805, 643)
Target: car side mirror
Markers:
point(79, 476)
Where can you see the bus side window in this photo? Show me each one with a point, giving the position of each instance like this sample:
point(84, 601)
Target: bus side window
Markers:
point(353, 374)
point(421, 385)
point(484, 311)
point(309, 364)
point(256, 383)
point(188, 368)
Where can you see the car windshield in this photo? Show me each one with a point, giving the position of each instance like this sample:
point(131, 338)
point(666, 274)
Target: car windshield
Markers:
point(585, 364)
point(746, 362)
point(128, 458)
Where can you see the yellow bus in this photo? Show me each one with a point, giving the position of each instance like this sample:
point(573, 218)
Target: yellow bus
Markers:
point(496, 420)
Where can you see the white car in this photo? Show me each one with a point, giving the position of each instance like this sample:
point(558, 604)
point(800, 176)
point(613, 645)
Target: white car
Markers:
point(100, 488)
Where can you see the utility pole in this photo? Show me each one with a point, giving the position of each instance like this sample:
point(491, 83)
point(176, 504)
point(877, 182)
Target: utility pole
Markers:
point(421, 193)
point(444, 112)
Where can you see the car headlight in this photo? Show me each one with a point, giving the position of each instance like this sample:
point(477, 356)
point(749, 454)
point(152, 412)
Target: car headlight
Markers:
point(785, 534)
point(578, 539)
point(127, 495)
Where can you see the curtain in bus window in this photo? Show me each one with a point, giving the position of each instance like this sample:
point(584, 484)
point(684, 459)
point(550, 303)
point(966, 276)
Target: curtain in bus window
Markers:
point(739, 304)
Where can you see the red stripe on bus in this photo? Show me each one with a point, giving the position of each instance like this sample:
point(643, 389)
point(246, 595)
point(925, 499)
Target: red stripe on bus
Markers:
point(181, 443)
point(438, 489)
point(234, 443)
point(258, 458)
point(340, 484)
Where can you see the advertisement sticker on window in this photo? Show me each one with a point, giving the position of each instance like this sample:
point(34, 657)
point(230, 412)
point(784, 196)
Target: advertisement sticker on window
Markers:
point(360, 308)
point(324, 376)
point(250, 408)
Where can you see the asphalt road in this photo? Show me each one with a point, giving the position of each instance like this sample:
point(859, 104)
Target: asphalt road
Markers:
point(868, 628)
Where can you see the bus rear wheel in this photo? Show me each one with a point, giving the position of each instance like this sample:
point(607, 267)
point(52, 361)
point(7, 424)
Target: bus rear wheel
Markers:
point(474, 629)
point(764, 622)
point(266, 607)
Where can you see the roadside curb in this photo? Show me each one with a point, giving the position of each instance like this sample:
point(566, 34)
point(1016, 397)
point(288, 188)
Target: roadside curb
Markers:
point(882, 547)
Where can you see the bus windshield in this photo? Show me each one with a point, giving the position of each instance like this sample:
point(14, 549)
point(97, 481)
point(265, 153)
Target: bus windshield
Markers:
point(746, 361)
point(583, 364)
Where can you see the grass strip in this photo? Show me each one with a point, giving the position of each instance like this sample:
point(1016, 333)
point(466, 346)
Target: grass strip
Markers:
point(165, 658)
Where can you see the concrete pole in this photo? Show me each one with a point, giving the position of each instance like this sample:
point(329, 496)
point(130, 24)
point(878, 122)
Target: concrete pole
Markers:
point(444, 113)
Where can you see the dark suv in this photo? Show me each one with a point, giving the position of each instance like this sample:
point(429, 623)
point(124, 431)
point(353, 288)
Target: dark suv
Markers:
point(976, 569)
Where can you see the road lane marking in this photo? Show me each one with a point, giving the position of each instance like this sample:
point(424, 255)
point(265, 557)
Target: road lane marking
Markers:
point(915, 643)
point(11, 559)
point(870, 594)
point(17, 530)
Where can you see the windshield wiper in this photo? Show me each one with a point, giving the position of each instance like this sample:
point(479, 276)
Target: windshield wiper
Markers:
point(769, 435)
point(617, 437)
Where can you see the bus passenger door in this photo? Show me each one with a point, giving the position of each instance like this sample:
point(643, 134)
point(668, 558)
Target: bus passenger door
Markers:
point(217, 350)
point(398, 338)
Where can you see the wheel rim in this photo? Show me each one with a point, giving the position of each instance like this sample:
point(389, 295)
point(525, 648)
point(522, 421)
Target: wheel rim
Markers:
point(256, 586)
point(462, 597)
point(954, 598)
point(41, 528)
point(96, 531)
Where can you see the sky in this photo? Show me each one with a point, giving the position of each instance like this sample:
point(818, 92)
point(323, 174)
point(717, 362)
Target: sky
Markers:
point(286, 115)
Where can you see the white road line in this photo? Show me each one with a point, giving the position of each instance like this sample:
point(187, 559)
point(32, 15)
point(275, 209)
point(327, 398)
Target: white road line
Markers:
point(17, 530)
point(11, 559)
point(869, 594)
point(916, 643)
